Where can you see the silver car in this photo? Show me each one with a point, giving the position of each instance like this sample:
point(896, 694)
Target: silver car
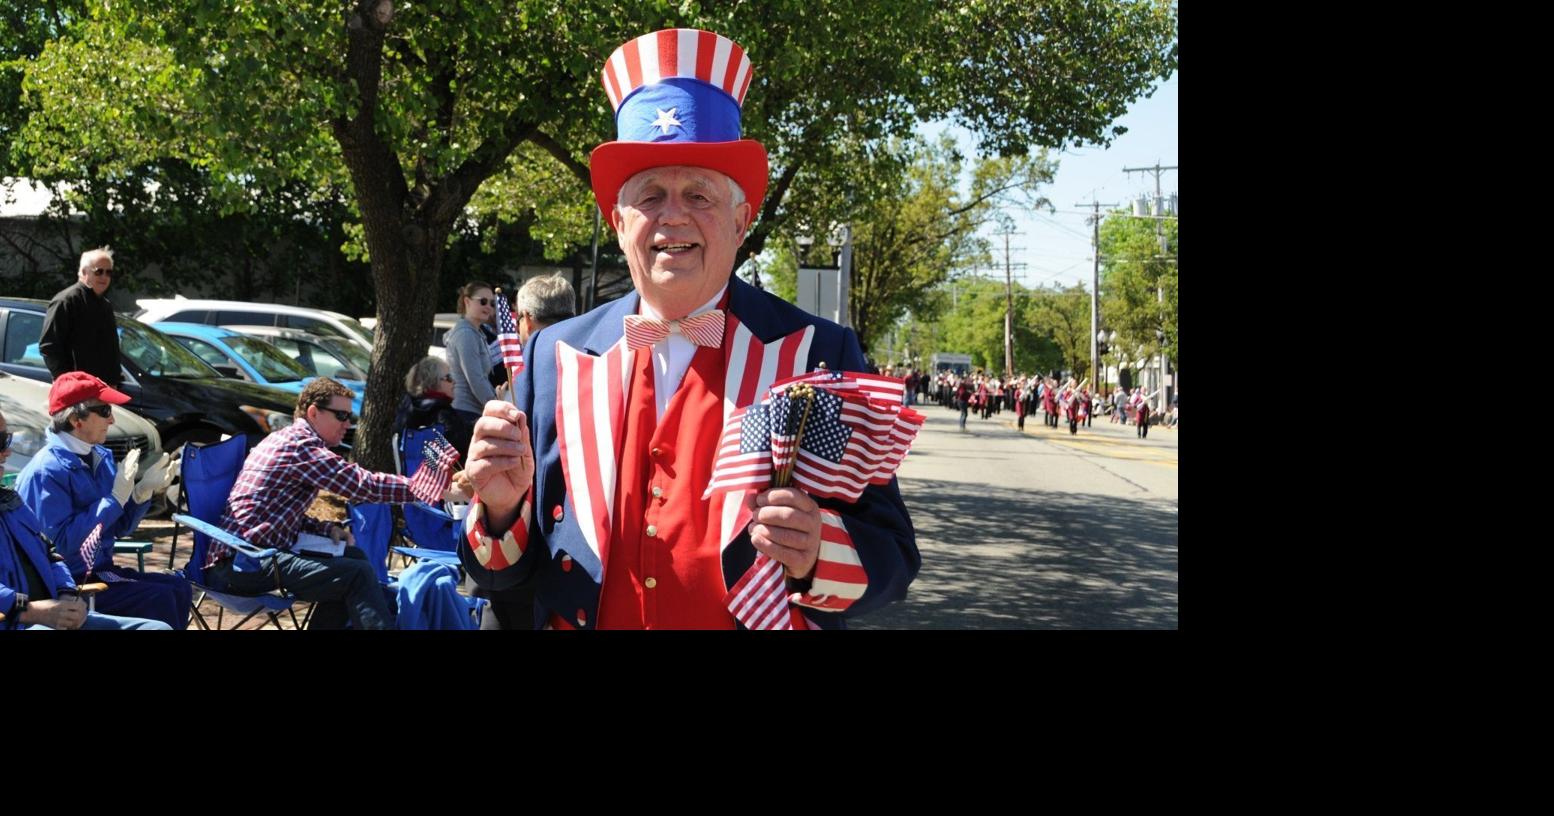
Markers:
point(25, 405)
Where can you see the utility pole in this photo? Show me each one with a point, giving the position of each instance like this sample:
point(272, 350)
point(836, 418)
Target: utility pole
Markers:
point(1095, 291)
point(1164, 399)
point(1008, 231)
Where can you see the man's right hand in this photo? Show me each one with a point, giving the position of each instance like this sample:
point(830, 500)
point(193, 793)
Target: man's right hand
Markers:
point(501, 463)
point(60, 614)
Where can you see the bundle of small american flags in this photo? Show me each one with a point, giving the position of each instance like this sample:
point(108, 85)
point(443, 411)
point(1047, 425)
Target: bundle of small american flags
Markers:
point(831, 433)
point(431, 480)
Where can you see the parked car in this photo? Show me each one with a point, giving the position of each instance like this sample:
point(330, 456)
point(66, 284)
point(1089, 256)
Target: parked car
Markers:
point(25, 405)
point(186, 399)
point(239, 356)
point(441, 323)
point(322, 356)
point(240, 313)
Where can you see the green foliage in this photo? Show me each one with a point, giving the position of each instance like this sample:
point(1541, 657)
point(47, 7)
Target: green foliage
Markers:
point(1063, 317)
point(406, 110)
point(913, 227)
point(1135, 273)
point(973, 323)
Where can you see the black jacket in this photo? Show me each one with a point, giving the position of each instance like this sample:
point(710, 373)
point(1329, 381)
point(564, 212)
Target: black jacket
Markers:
point(80, 334)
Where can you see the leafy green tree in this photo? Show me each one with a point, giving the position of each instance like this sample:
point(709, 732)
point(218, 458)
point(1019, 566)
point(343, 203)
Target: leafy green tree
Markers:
point(1139, 285)
point(412, 108)
point(1063, 317)
point(973, 324)
point(915, 229)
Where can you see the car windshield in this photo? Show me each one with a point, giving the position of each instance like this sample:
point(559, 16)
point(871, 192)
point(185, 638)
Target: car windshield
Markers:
point(351, 353)
point(273, 365)
point(352, 324)
point(157, 354)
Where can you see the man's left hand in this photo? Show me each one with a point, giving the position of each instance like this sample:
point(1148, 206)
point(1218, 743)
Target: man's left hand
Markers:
point(785, 524)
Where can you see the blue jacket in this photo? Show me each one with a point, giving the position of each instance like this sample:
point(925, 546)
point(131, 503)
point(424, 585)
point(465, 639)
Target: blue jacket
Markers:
point(878, 522)
point(69, 500)
point(19, 540)
point(429, 598)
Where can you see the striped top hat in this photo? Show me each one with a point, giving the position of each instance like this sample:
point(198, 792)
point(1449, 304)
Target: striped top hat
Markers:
point(677, 95)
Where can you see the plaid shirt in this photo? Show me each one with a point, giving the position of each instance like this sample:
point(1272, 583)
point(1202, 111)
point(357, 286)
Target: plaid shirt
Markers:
point(280, 480)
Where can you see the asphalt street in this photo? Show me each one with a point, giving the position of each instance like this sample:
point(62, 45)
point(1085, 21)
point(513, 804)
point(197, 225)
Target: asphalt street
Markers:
point(1040, 530)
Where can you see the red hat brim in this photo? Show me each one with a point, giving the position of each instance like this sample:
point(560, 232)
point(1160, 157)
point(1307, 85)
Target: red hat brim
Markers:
point(613, 163)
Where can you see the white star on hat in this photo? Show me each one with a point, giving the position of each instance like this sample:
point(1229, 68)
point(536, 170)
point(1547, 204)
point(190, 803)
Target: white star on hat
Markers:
point(666, 119)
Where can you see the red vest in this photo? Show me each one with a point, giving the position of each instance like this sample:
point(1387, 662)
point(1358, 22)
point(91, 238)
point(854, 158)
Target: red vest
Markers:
point(673, 578)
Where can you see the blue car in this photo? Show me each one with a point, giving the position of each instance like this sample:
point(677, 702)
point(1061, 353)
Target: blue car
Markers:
point(241, 357)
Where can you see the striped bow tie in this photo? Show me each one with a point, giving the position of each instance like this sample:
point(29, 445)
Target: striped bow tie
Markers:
point(705, 329)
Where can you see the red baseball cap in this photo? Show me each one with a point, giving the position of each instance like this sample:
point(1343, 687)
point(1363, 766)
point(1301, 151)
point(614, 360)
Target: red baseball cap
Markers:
point(74, 387)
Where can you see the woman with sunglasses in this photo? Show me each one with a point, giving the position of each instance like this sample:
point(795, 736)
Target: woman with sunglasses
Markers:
point(468, 359)
point(428, 401)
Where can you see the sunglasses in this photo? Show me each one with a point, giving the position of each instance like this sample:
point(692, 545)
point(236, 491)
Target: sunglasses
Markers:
point(102, 273)
point(104, 411)
point(482, 301)
point(447, 378)
point(5, 440)
point(343, 416)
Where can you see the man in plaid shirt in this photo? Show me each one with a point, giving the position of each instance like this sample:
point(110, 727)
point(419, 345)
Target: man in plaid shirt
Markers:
point(267, 506)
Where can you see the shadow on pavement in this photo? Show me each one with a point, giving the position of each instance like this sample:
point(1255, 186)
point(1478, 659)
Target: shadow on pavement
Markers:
point(997, 558)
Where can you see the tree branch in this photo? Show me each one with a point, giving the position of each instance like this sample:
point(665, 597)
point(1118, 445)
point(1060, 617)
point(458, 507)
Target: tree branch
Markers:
point(543, 140)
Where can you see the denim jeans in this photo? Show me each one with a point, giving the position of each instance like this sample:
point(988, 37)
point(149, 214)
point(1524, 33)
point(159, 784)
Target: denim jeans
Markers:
point(344, 587)
point(102, 622)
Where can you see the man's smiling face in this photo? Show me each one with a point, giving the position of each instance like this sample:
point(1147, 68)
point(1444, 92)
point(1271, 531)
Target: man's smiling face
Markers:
point(679, 229)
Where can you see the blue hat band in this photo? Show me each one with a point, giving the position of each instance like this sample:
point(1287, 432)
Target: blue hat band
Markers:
point(678, 109)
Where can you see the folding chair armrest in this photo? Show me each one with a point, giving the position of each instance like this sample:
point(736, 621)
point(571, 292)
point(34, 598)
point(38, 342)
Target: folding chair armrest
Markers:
point(88, 590)
point(223, 536)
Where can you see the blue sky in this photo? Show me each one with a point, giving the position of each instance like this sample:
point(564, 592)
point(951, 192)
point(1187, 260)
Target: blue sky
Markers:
point(1056, 248)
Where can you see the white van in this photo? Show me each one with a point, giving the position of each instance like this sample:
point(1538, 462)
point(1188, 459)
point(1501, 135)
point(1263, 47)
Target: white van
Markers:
point(238, 313)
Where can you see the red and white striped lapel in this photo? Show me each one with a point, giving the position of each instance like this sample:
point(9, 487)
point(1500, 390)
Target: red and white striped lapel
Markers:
point(590, 423)
point(751, 367)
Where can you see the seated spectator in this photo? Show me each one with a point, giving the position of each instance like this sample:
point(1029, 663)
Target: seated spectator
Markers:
point(429, 401)
point(36, 590)
point(73, 487)
point(268, 505)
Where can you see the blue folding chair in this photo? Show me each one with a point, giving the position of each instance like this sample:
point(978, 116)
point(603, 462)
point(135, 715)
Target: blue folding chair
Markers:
point(434, 533)
point(411, 442)
point(209, 471)
point(373, 527)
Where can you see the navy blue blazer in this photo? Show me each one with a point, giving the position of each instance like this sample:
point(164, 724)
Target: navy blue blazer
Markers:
point(878, 522)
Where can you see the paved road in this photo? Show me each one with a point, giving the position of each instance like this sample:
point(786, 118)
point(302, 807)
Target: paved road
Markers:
point(1039, 530)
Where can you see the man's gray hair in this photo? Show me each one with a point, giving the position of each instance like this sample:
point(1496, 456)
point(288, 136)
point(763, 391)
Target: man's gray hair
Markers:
point(736, 193)
point(425, 375)
point(90, 257)
point(60, 420)
point(546, 299)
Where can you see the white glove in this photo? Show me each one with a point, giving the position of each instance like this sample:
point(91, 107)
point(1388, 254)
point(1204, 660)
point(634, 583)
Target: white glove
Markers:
point(156, 477)
point(123, 481)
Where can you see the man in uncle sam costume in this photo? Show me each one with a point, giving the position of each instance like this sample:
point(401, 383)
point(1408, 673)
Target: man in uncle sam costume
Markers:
point(592, 484)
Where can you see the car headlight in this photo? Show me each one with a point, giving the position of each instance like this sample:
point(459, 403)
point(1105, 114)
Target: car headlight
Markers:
point(266, 419)
point(28, 441)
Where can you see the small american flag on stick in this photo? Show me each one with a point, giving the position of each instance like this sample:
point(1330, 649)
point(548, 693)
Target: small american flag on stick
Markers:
point(89, 547)
point(431, 480)
point(507, 335)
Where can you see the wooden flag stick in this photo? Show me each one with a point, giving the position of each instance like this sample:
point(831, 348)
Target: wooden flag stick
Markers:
point(785, 478)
